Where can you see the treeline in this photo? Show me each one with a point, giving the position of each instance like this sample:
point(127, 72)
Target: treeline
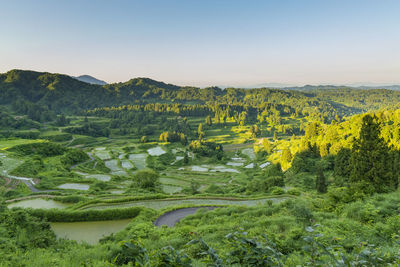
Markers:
point(7, 121)
point(93, 129)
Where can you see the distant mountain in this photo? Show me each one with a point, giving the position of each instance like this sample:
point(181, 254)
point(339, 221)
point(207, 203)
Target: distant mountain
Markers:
point(389, 87)
point(90, 79)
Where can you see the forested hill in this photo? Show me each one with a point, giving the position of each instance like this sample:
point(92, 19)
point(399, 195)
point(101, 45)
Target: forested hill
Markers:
point(61, 93)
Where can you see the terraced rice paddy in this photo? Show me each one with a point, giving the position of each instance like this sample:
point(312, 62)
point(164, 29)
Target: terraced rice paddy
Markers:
point(156, 151)
point(199, 169)
point(89, 232)
point(83, 187)
point(139, 160)
point(38, 203)
point(171, 189)
point(100, 177)
point(249, 152)
point(117, 192)
point(8, 163)
point(171, 181)
point(103, 154)
point(236, 164)
point(126, 164)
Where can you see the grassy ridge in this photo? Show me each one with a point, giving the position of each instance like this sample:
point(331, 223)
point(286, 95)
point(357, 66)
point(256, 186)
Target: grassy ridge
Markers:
point(57, 215)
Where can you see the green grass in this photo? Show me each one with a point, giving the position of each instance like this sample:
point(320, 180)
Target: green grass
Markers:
point(8, 143)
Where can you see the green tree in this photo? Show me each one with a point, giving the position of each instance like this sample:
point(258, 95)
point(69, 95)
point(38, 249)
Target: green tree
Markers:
point(267, 145)
point(208, 120)
point(200, 132)
point(147, 179)
point(321, 183)
point(342, 163)
point(255, 131)
point(371, 165)
point(286, 155)
point(275, 136)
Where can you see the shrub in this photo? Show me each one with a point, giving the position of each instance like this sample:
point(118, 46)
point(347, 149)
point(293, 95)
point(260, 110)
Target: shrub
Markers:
point(147, 179)
point(294, 191)
point(277, 191)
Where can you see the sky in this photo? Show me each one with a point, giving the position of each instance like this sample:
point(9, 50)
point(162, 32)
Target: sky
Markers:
point(207, 42)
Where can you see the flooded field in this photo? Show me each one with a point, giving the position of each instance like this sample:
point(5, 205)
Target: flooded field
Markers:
point(156, 151)
point(74, 186)
point(139, 160)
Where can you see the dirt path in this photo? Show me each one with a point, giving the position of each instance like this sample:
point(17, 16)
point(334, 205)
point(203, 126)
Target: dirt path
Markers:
point(171, 218)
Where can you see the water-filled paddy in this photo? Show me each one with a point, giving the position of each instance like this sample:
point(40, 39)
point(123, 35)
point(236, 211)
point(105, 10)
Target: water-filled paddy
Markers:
point(171, 189)
point(199, 169)
point(74, 186)
point(235, 164)
point(139, 160)
point(100, 177)
point(38, 203)
point(264, 165)
point(156, 151)
point(126, 164)
point(103, 154)
point(112, 165)
point(249, 152)
point(250, 166)
point(172, 181)
point(90, 232)
point(117, 192)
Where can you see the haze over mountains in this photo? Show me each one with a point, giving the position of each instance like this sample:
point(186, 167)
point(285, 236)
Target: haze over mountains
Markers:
point(93, 80)
point(90, 79)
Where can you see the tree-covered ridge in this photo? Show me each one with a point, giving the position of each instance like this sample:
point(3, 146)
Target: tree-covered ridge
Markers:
point(59, 92)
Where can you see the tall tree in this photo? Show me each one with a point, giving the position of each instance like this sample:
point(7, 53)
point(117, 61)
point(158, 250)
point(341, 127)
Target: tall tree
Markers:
point(371, 165)
point(208, 120)
point(200, 132)
point(321, 184)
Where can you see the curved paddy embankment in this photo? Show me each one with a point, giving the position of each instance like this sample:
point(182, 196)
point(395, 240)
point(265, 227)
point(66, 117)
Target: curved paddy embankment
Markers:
point(159, 204)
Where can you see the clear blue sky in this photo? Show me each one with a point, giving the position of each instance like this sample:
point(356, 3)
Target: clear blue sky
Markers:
point(206, 42)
